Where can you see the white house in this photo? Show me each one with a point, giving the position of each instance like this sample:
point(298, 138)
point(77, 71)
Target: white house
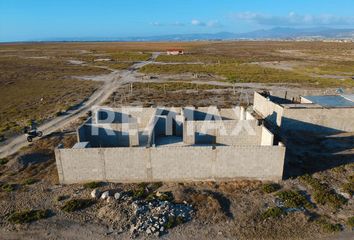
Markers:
point(175, 52)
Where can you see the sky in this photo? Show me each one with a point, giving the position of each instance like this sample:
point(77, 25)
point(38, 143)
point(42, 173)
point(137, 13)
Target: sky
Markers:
point(27, 20)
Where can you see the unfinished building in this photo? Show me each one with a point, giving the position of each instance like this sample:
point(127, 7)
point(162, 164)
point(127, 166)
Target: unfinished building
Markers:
point(171, 144)
point(329, 114)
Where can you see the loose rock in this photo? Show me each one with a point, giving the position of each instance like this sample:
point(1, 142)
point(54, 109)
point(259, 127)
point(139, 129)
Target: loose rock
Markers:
point(105, 195)
point(96, 193)
point(117, 196)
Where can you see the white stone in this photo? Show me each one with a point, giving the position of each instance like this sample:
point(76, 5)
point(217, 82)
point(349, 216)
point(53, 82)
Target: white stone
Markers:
point(117, 195)
point(105, 195)
point(95, 193)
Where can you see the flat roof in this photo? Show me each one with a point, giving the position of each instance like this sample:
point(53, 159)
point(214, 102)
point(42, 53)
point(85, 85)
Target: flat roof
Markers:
point(332, 101)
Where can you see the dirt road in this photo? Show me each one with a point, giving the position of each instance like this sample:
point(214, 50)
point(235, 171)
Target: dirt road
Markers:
point(111, 82)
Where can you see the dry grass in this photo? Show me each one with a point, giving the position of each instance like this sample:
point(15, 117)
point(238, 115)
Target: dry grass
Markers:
point(38, 89)
point(236, 72)
point(174, 95)
point(31, 72)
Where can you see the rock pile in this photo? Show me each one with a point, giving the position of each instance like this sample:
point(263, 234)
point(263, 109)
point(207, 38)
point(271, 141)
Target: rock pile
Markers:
point(151, 217)
point(155, 217)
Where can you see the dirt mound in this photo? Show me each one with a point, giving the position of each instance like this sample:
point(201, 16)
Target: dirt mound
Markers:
point(117, 215)
point(210, 206)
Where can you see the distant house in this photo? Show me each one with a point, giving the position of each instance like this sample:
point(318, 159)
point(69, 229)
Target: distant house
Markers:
point(175, 52)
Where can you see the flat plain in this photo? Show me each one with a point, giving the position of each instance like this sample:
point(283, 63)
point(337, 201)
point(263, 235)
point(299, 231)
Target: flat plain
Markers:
point(47, 80)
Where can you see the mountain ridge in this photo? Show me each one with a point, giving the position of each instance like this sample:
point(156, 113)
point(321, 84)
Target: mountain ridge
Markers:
point(278, 33)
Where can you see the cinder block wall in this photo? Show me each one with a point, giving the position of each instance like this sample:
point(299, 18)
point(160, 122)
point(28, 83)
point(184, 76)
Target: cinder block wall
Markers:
point(109, 135)
point(272, 112)
point(170, 164)
point(228, 132)
point(315, 119)
point(319, 119)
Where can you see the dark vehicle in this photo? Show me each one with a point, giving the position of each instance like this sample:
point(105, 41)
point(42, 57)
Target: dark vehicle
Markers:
point(32, 132)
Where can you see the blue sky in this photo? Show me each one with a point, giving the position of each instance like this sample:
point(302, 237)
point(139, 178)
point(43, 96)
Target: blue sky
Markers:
point(22, 20)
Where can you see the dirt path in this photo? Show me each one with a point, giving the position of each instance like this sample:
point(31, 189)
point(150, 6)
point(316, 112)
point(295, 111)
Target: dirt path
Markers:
point(111, 82)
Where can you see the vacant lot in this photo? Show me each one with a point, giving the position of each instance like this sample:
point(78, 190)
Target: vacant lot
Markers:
point(245, 73)
point(38, 89)
point(311, 64)
point(36, 81)
point(176, 94)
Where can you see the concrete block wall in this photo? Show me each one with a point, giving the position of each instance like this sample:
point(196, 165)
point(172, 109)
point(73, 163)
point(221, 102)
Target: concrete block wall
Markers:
point(267, 138)
point(227, 132)
point(250, 162)
point(308, 117)
point(319, 119)
point(170, 164)
point(271, 111)
point(200, 114)
point(109, 135)
point(246, 132)
point(181, 163)
point(249, 116)
point(136, 114)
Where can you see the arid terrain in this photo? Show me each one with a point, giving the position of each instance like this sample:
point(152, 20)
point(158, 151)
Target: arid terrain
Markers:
point(57, 83)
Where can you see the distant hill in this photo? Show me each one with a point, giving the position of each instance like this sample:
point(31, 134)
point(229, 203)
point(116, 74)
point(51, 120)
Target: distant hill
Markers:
point(274, 33)
point(283, 33)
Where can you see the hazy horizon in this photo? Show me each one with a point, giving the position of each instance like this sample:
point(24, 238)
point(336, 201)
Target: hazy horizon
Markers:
point(43, 20)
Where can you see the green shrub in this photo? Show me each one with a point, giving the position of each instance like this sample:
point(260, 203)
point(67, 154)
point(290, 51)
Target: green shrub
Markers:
point(323, 194)
point(162, 196)
point(77, 204)
point(329, 227)
point(170, 223)
point(293, 199)
point(274, 212)
point(165, 196)
point(92, 185)
point(139, 193)
point(350, 222)
point(8, 187)
point(330, 198)
point(146, 191)
point(30, 181)
point(28, 216)
point(174, 221)
point(3, 161)
point(270, 187)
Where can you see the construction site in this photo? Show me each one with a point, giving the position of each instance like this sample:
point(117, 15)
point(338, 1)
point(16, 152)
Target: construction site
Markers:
point(240, 140)
point(132, 144)
point(171, 144)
